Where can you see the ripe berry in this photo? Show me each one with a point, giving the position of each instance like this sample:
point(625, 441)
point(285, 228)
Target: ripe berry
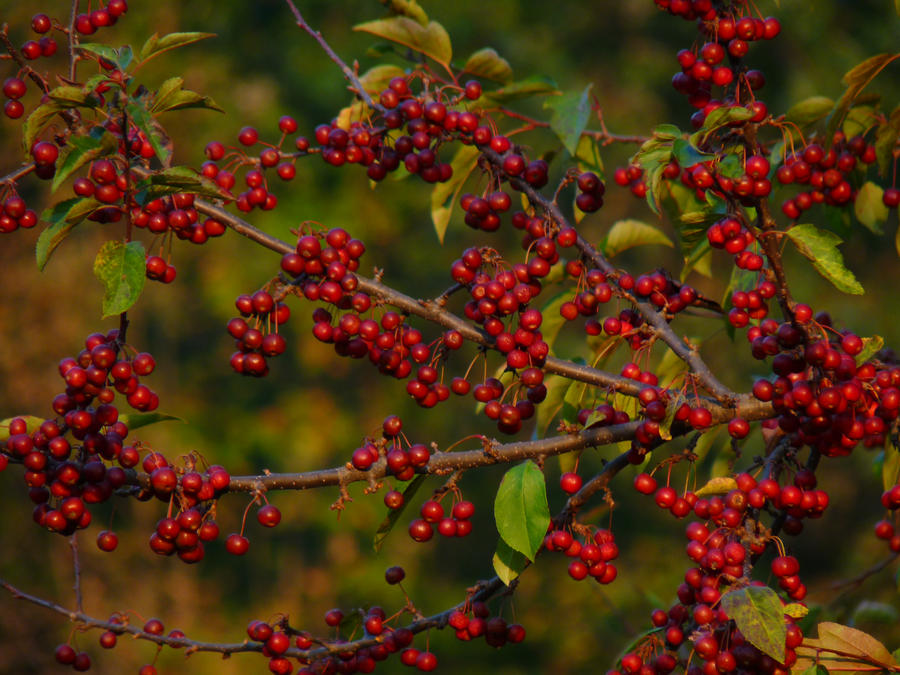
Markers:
point(394, 575)
point(570, 482)
point(268, 516)
point(236, 544)
point(247, 136)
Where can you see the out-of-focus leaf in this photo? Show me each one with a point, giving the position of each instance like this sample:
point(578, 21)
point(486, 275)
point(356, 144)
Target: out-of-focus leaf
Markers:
point(394, 514)
point(546, 411)
point(886, 139)
point(32, 422)
point(137, 420)
point(625, 234)
point(588, 155)
point(445, 195)
point(571, 112)
point(431, 40)
point(536, 85)
point(376, 79)
point(869, 206)
point(856, 80)
point(809, 110)
point(488, 64)
point(409, 8)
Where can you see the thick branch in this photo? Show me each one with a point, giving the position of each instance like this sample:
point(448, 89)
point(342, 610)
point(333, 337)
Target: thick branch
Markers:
point(445, 462)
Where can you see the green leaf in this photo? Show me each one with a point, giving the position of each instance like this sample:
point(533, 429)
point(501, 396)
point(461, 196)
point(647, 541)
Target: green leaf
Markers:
point(814, 669)
point(687, 155)
point(101, 50)
point(69, 96)
point(856, 80)
point(445, 195)
point(588, 155)
point(394, 514)
point(508, 564)
point(173, 180)
point(625, 234)
point(759, 615)
point(718, 118)
point(79, 150)
point(31, 424)
point(809, 110)
point(520, 508)
point(871, 346)
point(61, 98)
point(890, 468)
point(667, 131)
point(698, 259)
point(488, 64)
point(137, 420)
point(571, 112)
point(431, 40)
point(120, 267)
point(858, 120)
point(171, 96)
point(536, 85)
point(144, 121)
point(155, 45)
point(869, 207)
point(61, 218)
point(557, 386)
point(820, 246)
point(376, 79)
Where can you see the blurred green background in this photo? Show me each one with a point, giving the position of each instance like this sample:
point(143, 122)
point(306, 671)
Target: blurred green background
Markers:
point(314, 408)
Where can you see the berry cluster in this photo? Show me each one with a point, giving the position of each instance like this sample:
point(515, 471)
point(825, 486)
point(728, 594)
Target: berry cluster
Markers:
point(827, 175)
point(724, 549)
point(262, 340)
point(592, 556)
point(15, 214)
point(102, 17)
point(14, 88)
point(496, 631)
point(728, 34)
point(457, 524)
point(64, 474)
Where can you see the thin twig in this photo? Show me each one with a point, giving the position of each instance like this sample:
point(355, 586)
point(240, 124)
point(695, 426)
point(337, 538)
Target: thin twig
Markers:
point(76, 564)
point(348, 72)
point(73, 41)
